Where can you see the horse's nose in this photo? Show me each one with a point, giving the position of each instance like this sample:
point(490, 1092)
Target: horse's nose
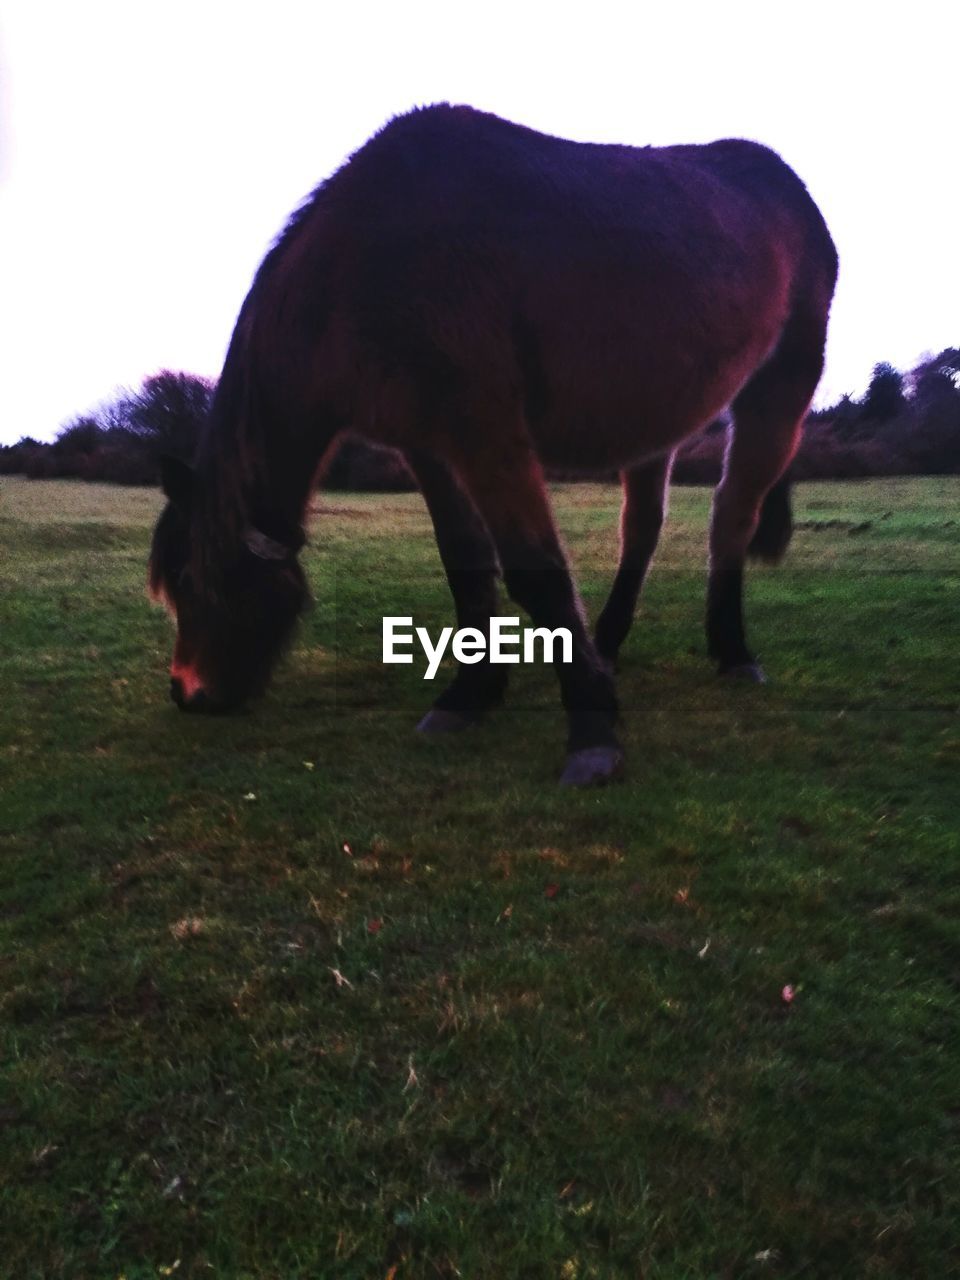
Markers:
point(197, 701)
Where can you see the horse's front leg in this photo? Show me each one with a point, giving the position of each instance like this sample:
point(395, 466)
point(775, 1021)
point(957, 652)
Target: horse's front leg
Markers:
point(505, 481)
point(470, 561)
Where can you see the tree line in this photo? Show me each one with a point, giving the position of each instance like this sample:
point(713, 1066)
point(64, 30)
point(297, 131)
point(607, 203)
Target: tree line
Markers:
point(906, 423)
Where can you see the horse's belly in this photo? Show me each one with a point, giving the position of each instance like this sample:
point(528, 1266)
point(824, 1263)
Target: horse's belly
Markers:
point(612, 412)
point(601, 441)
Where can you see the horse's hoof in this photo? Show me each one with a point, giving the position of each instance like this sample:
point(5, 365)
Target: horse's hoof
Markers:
point(592, 767)
point(751, 672)
point(437, 720)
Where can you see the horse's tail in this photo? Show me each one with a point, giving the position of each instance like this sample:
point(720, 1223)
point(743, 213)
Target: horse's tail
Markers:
point(775, 527)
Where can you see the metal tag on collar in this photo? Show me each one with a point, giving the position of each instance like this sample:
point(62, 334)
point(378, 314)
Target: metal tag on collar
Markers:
point(265, 548)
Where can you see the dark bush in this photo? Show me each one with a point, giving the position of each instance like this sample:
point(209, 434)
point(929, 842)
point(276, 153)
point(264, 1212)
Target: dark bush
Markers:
point(80, 438)
point(123, 441)
point(359, 465)
point(885, 396)
point(936, 380)
point(700, 460)
point(14, 457)
point(165, 415)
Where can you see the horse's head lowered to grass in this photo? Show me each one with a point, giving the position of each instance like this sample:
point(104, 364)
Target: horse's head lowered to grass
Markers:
point(236, 600)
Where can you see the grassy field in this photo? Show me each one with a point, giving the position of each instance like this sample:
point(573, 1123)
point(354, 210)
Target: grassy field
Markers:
point(296, 994)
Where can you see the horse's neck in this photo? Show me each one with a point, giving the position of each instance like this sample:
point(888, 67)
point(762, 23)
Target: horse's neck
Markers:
point(258, 483)
point(258, 460)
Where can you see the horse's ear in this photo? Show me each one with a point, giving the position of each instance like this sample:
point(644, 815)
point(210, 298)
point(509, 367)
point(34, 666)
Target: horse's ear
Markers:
point(176, 479)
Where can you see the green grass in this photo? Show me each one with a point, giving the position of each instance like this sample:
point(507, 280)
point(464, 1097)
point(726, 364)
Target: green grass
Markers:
point(416, 1007)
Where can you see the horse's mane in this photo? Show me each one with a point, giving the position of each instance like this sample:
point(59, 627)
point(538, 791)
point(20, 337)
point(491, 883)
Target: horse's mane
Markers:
point(233, 454)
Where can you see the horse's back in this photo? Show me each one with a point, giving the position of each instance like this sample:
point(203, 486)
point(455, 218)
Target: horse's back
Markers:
point(451, 186)
point(451, 164)
point(614, 283)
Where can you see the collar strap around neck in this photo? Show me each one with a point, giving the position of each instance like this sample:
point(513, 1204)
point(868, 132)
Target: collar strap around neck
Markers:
point(266, 548)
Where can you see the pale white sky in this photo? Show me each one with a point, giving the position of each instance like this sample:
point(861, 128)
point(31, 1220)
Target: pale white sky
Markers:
point(149, 154)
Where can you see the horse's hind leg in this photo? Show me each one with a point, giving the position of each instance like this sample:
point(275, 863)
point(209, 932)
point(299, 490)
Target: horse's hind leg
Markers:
point(470, 561)
point(645, 490)
point(506, 483)
point(768, 419)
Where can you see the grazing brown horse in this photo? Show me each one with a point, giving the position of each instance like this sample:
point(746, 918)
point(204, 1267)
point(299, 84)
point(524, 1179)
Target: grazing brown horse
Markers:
point(489, 300)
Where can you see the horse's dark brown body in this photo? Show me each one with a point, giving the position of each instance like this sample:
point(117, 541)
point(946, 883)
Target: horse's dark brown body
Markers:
point(489, 299)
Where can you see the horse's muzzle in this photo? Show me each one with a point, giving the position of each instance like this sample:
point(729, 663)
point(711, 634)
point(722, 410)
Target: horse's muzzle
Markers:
point(198, 700)
point(201, 701)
